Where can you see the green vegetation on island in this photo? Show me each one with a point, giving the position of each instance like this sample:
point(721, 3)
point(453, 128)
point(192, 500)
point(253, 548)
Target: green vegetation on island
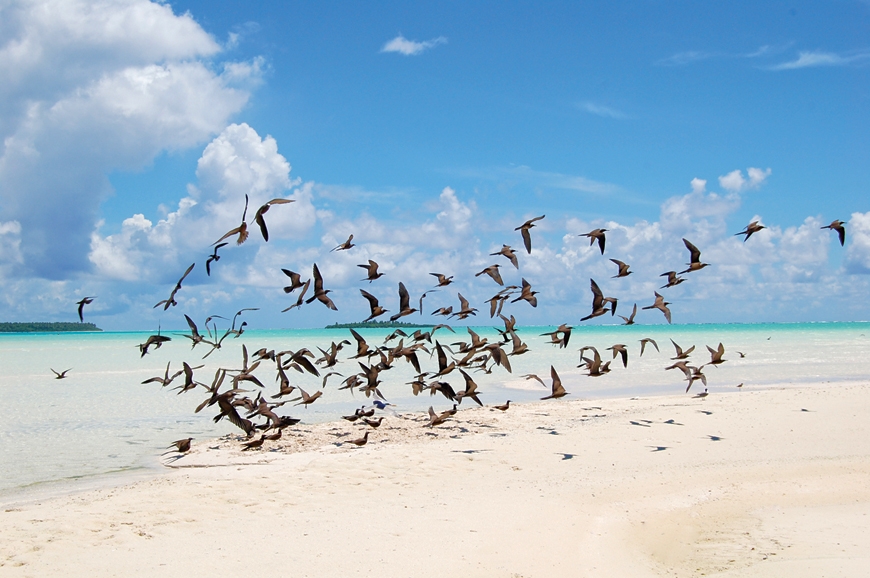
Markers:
point(375, 324)
point(46, 327)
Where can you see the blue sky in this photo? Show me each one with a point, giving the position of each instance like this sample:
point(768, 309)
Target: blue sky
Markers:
point(132, 131)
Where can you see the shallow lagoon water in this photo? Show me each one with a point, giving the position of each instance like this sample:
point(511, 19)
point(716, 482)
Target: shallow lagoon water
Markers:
point(101, 419)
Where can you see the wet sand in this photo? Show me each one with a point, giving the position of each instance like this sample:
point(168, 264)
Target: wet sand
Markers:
point(749, 483)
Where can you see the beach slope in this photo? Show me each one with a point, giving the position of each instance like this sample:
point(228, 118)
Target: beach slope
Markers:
point(749, 483)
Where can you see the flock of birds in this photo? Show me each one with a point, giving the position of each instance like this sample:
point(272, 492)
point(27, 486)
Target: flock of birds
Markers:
point(229, 388)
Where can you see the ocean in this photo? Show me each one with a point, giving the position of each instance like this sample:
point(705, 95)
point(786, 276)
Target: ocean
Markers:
point(102, 421)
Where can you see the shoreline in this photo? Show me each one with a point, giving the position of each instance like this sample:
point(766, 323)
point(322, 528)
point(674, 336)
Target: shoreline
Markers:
point(757, 482)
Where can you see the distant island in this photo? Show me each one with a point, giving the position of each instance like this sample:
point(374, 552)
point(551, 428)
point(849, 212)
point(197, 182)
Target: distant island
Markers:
point(374, 324)
point(46, 327)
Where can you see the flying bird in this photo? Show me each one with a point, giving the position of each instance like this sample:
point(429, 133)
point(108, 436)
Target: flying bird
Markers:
point(752, 227)
point(673, 279)
point(373, 304)
point(527, 295)
point(213, 257)
point(404, 303)
point(60, 375)
point(509, 253)
point(596, 235)
point(623, 269)
point(295, 281)
point(443, 280)
point(170, 301)
point(661, 305)
point(646, 340)
point(524, 230)
point(492, 271)
point(371, 271)
point(841, 230)
point(258, 217)
point(695, 258)
point(241, 230)
point(319, 292)
point(344, 246)
point(557, 391)
point(630, 319)
point(81, 304)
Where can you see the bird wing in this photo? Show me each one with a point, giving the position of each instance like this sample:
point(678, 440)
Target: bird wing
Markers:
point(693, 251)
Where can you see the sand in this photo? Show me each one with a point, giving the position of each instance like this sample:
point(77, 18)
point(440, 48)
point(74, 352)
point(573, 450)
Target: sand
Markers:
point(750, 483)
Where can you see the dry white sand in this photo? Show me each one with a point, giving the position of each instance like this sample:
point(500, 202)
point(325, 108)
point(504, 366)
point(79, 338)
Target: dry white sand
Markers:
point(751, 483)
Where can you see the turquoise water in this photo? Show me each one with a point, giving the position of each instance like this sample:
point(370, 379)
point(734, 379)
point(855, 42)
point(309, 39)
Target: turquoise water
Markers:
point(102, 419)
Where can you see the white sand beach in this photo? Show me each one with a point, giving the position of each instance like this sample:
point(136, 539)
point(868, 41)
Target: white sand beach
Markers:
point(768, 483)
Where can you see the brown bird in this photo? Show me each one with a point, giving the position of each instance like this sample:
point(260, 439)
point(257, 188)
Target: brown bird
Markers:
point(560, 336)
point(596, 234)
point(360, 441)
point(404, 303)
point(752, 227)
point(170, 301)
point(307, 399)
point(258, 217)
point(503, 407)
point(213, 257)
point(155, 340)
point(371, 271)
point(492, 271)
point(673, 280)
point(524, 230)
point(470, 390)
point(680, 353)
point(182, 446)
point(694, 258)
point(374, 423)
point(619, 349)
point(716, 354)
point(646, 340)
point(61, 375)
point(598, 301)
point(436, 419)
point(319, 292)
point(81, 304)
point(527, 295)
point(465, 308)
point(509, 253)
point(623, 269)
point(661, 305)
point(241, 230)
point(841, 230)
point(254, 444)
point(373, 305)
point(630, 319)
point(301, 297)
point(295, 281)
point(165, 380)
point(443, 280)
point(558, 390)
point(344, 246)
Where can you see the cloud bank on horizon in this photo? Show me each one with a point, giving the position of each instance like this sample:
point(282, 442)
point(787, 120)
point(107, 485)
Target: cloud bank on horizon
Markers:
point(96, 88)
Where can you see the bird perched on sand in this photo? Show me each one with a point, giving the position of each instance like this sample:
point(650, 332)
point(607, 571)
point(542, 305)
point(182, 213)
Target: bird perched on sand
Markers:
point(694, 258)
point(841, 230)
point(596, 235)
point(751, 228)
point(81, 304)
point(524, 230)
